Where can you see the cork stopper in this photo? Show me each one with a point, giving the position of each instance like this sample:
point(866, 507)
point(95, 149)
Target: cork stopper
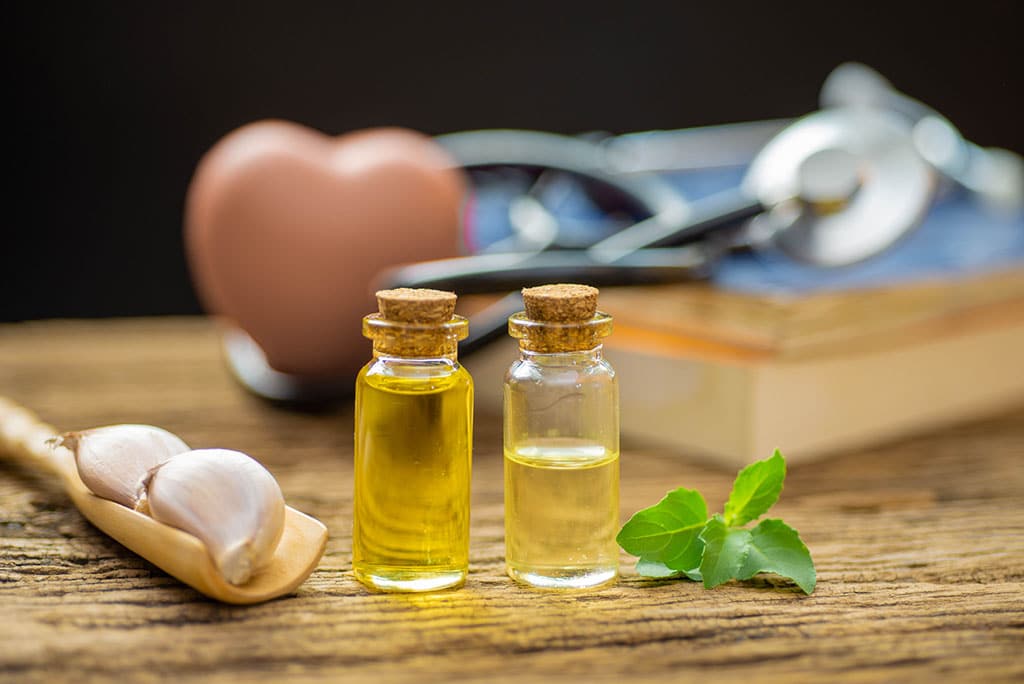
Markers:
point(560, 318)
point(415, 323)
point(560, 303)
point(416, 305)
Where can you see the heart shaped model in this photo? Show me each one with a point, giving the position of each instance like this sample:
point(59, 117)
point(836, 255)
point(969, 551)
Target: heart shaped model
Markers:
point(286, 228)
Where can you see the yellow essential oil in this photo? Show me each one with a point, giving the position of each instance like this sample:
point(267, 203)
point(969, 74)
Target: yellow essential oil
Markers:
point(561, 443)
point(570, 490)
point(413, 446)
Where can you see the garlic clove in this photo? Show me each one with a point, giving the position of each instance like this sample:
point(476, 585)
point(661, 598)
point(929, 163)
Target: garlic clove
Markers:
point(114, 460)
point(226, 499)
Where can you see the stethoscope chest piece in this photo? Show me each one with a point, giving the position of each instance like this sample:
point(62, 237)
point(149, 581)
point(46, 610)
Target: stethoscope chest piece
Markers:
point(840, 185)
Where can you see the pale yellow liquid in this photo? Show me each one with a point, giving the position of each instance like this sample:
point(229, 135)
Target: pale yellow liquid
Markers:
point(561, 513)
point(412, 481)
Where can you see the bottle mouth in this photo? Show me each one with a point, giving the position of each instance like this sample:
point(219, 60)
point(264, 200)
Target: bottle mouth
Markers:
point(374, 326)
point(553, 337)
point(519, 325)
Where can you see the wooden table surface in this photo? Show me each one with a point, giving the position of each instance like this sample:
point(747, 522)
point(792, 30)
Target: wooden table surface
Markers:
point(919, 547)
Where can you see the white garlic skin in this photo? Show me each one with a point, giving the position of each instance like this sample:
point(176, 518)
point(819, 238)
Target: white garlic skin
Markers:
point(113, 461)
point(225, 498)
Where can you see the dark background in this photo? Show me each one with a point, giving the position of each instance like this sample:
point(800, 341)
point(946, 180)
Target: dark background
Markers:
point(110, 106)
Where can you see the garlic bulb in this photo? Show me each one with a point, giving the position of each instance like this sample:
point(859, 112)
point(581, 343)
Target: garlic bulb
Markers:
point(113, 461)
point(226, 499)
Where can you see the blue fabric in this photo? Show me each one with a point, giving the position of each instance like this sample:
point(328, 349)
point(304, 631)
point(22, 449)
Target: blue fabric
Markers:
point(957, 238)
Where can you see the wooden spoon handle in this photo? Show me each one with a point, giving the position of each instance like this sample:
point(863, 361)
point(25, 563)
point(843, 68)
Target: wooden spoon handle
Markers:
point(25, 436)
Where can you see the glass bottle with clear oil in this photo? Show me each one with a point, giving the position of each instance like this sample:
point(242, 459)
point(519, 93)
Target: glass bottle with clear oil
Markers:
point(561, 443)
point(413, 446)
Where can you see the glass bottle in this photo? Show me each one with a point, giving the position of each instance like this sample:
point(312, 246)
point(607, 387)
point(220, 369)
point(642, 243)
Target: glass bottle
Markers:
point(561, 443)
point(413, 446)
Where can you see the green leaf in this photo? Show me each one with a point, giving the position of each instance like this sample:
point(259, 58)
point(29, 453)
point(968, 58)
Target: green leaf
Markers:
point(668, 532)
point(776, 547)
point(725, 552)
point(647, 568)
point(756, 489)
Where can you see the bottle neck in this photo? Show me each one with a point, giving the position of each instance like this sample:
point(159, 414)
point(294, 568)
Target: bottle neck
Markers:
point(577, 357)
point(386, 356)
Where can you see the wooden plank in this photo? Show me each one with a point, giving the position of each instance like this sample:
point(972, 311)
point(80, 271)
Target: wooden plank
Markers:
point(919, 547)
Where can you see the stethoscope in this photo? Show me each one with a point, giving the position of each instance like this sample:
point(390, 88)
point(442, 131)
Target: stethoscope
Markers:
point(832, 188)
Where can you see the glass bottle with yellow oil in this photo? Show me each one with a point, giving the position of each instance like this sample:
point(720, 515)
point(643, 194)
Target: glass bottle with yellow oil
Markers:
point(413, 441)
point(561, 443)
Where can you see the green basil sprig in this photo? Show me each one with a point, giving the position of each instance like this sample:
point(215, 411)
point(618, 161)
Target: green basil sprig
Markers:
point(676, 537)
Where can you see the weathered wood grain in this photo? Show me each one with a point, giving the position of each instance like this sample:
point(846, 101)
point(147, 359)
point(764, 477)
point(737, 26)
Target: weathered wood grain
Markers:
point(919, 547)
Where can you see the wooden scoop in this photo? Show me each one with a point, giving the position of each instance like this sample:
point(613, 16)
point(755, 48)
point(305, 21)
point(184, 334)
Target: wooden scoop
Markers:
point(176, 552)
